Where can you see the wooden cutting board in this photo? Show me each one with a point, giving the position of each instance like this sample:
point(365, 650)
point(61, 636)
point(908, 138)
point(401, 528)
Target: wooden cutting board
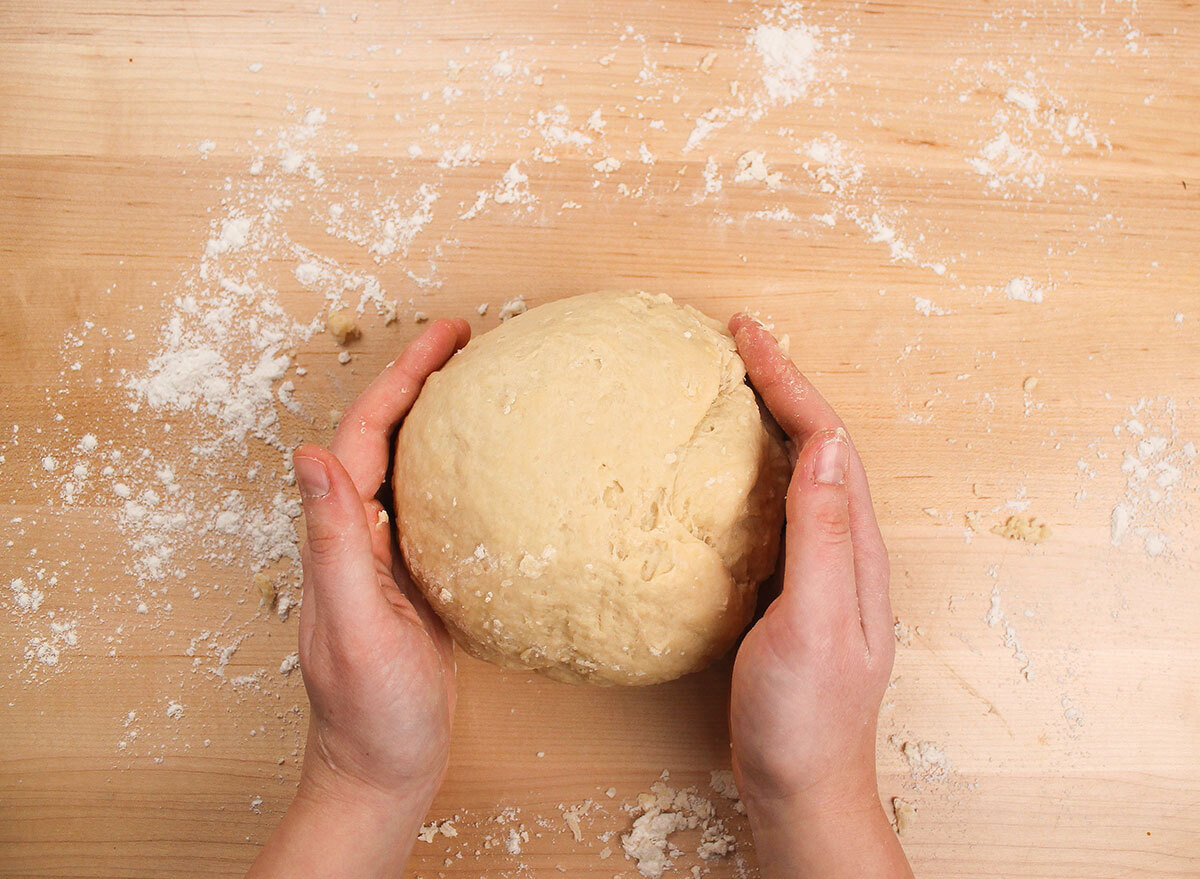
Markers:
point(941, 164)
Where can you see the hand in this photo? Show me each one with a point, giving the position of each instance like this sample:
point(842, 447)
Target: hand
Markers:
point(377, 663)
point(809, 676)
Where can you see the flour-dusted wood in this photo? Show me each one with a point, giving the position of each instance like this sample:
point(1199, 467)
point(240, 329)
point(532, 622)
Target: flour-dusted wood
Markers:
point(941, 168)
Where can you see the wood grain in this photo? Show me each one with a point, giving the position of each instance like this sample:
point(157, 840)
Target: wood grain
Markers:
point(106, 203)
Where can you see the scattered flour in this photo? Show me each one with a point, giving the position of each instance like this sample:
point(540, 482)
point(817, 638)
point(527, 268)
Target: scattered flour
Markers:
point(789, 59)
point(1024, 290)
point(927, 762)
point(513, 188)
point(1159, 468)
point(198, 473)
point(996, 618)
point(926, 307)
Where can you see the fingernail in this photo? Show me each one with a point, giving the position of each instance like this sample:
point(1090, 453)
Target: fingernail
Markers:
point(312, 477)
point(829, 468)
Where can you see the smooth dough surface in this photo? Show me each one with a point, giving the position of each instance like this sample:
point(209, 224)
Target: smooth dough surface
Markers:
point(590, 490)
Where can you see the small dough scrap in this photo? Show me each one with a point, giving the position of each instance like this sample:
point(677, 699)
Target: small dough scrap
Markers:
point(511, 308)
point(266, 588)
point(591, 490)
point(1028, 528)
point(905, 813)
point(342, 326)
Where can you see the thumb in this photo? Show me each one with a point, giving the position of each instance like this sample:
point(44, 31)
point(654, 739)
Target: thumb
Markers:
point(819, 564)
point(339, 565)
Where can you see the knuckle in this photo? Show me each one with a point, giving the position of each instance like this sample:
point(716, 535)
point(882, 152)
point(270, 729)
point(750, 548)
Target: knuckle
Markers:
point(322, 542)
point(832, 521)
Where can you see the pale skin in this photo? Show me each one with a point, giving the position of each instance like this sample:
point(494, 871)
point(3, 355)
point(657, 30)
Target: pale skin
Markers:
point(379, 667)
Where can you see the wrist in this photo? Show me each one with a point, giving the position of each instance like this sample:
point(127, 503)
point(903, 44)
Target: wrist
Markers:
point(339, 827)
point(803, 837)
point(325, 786)
point(326, 777)
point(324, 791)
point(809, 811)
point(828, 786)
point(345, 824)
point(848, 795)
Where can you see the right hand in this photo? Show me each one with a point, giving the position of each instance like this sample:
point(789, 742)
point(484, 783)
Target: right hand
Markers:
point(810, 675)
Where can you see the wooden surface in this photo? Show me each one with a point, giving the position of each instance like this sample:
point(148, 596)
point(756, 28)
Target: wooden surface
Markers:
point(1090, 768)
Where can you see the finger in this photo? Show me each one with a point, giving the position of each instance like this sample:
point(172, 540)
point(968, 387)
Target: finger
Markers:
point(308, 617)
point(361, 441)
point(380, 525)
point(796, 405)
point(339, 567)
point(819, 578)
point(406, 596)
point(385, 550)
point(801, 411)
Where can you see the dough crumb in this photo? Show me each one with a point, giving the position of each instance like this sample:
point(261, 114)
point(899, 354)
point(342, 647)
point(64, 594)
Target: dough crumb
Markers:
point(481, 309)
point(571, 817)
point(266, 589)
point(513, 307)
point(420, 317)
point(721, 781)
point(903, 633)
point(905, 813)
point(926, 761)
point(341, 326)
point(706, 62)
point(666, 811)
point(343, 357)
point(512, 843)
point(752, 167)
point(607, 165)
point(1028, 528)
point(431, 830)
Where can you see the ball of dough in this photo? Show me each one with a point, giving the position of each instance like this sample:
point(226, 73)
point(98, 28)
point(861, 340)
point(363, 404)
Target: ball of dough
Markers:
point(590, 490)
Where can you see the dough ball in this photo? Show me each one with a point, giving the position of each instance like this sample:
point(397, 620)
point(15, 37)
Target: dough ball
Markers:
point(591, 491)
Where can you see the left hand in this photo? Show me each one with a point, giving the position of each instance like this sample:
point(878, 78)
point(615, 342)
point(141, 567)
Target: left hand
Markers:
point(378, 664)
